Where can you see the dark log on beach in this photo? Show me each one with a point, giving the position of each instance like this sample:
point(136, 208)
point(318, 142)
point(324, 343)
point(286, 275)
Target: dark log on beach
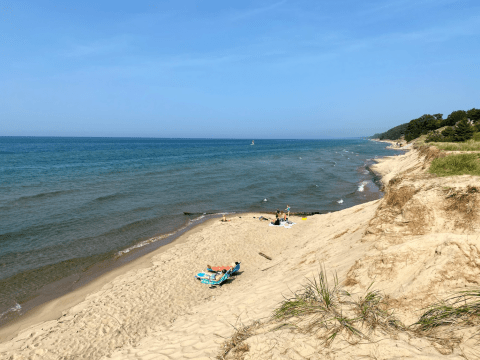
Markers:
point(265, 256)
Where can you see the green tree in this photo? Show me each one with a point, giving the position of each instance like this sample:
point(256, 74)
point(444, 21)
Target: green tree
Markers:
point(448, 133)
point(464, 130)
point(454, 117)
point(474, 115)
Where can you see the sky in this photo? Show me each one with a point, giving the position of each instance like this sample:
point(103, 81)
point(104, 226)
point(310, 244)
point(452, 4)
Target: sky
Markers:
point(234, 69)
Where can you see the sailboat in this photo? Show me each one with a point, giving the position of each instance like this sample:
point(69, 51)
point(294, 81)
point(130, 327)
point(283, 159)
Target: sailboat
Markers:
point(253, 142)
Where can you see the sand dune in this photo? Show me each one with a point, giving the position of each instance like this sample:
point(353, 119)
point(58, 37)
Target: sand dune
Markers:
point(416, 245)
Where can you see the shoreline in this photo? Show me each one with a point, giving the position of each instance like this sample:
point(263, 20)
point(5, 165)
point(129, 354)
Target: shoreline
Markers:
point(63, 287)
point(86, 301)
point(245, 234)
point(52, 309)
point(123, 257)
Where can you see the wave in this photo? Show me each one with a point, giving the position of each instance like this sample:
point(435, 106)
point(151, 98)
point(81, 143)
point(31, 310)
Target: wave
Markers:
point(143, 243)
point(163, 236)
point(109, 197)
point(15, 308)
point(44, 195)
point(361, 187)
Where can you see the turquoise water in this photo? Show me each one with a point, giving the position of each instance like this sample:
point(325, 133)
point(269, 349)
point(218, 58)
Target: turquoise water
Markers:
point(69, 203)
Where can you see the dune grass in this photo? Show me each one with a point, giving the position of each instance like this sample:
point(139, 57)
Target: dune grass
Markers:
point(329, 311)
point(461, 309)
point(325, 309)
point(469, 145)
point(456, 164)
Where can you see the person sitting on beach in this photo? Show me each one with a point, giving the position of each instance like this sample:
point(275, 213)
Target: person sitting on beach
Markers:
point(220, 274)
point(224, 219)
point(284, 216)
point(277, 221)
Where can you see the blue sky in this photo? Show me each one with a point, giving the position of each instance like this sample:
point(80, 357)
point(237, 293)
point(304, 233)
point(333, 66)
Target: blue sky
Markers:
point(234, 69)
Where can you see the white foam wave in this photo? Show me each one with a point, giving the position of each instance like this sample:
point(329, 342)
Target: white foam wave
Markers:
point(17, 307)
point(156, 238)
point(198, 218)
point(340, 201)
point(143, 243)
point(361, 187)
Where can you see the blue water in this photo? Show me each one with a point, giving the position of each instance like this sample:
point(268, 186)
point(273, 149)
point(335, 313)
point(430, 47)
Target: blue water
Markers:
point(68, 203)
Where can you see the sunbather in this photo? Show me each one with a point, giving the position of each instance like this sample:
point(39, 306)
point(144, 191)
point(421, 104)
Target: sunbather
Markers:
point(220, 274)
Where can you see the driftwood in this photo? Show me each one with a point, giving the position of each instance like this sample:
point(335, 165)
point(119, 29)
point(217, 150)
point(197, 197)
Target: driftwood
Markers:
point(265, 256)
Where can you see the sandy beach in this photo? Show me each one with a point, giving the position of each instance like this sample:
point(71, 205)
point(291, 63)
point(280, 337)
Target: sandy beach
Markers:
point(412, 246)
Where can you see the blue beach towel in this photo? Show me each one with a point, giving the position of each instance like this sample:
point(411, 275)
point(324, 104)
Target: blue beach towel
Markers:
point(216, 282)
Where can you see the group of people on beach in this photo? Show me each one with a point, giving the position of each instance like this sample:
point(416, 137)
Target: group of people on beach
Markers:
point(280, 214)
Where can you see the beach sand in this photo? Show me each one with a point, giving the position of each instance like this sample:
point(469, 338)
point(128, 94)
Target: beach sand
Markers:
point(409, 244)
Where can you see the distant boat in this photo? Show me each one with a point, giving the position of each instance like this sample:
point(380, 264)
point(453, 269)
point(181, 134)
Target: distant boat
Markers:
point(253, 143)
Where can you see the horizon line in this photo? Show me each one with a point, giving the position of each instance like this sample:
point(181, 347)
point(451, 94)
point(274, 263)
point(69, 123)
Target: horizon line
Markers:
point(178, 138)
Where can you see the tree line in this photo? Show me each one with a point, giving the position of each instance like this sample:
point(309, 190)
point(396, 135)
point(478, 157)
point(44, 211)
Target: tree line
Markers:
point(460, 125)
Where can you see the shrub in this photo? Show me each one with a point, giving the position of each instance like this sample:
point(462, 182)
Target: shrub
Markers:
point(463, 131)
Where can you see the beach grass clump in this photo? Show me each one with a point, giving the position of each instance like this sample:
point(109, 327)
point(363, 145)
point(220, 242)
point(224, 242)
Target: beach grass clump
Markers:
point(317, 297)
point(329, 311)
point(456, 164)
point(372, 311)
point(317, 306)
point(235, 346)
point(461, 309)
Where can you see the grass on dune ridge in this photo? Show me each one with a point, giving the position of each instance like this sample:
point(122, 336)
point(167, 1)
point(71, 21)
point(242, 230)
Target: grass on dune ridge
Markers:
point(462, 308)
point(329, 311)
point(456, 164)
point(469, 145)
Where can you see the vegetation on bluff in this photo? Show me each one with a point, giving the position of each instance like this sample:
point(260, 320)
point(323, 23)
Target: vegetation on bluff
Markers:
point(393, 134)
point(459, 126)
